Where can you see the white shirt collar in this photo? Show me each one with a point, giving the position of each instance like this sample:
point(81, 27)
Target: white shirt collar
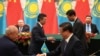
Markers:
point(40, 24)
point(75, 19)
point(68, 39)
point(88, 24)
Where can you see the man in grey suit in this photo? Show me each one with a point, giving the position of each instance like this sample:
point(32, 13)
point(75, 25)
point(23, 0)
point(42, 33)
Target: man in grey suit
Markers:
point(69, 46)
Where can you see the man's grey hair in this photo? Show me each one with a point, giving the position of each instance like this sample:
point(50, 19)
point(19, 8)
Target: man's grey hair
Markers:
point(11, 29)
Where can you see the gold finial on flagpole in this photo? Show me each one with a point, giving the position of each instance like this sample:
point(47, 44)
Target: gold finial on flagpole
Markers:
point(49, 1)
point(44, 0)
point(15, 1)
point(83, 0)
point(9, 0)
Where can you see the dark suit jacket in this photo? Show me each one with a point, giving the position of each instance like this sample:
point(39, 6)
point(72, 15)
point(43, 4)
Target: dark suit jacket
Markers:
point(93, 28)
point(73, 48)
point(79, 31)
point(8, 48)
point(26, 28)
point(37, 40)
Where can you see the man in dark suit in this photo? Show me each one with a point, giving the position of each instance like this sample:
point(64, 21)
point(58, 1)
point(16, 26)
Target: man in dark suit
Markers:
point(7, 45)
point(69, 46)
point(78, 27)
point(90, 28)
point(38, 36)
point(22, 27)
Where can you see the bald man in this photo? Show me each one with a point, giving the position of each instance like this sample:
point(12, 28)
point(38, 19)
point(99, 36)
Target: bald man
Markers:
point(22, 27)
point(7, 46)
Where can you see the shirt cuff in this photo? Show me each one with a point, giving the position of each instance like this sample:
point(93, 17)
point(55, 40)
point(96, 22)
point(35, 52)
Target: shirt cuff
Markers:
point(44, 54)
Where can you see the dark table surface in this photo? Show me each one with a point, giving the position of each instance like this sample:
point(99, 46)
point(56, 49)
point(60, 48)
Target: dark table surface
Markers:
point(94, 45)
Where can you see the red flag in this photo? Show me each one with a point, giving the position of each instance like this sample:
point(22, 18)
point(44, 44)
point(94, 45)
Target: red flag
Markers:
point(51, 26)
point(14, 12)
point(82, 9)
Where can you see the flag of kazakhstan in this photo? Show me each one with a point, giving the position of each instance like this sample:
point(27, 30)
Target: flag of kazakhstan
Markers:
point(44, 48)
point(64, 6)
point(2, 18)
point(31, 12)
point(96, 13)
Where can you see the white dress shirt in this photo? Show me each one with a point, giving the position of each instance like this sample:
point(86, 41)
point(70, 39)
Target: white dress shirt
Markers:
point(88, 28)
point(20, 29)
point(40, 24)
point(68, 39)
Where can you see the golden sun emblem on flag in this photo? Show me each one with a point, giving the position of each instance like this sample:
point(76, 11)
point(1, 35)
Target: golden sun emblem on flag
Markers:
point(83, 0)
point(98, 7)
point(31, 10)
point(65, 6)
point(1, 8)
point(96, 10)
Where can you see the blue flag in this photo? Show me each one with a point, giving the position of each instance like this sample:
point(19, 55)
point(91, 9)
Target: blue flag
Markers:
point(44, 48)
point(31, 12)
point(64, 6)
point(2, 18)
point(96, 13)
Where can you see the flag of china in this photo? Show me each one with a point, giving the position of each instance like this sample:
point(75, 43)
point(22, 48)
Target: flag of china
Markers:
point(14, 12)
point(82, 9)
point(48, 8)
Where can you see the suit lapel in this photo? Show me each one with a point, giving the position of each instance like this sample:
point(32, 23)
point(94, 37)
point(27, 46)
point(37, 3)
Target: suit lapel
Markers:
point(40, 28)
point(62, 48)
point(22, 28)
point(75, 21)
point(74, 25)
point(69, 45)
point(92, 27)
